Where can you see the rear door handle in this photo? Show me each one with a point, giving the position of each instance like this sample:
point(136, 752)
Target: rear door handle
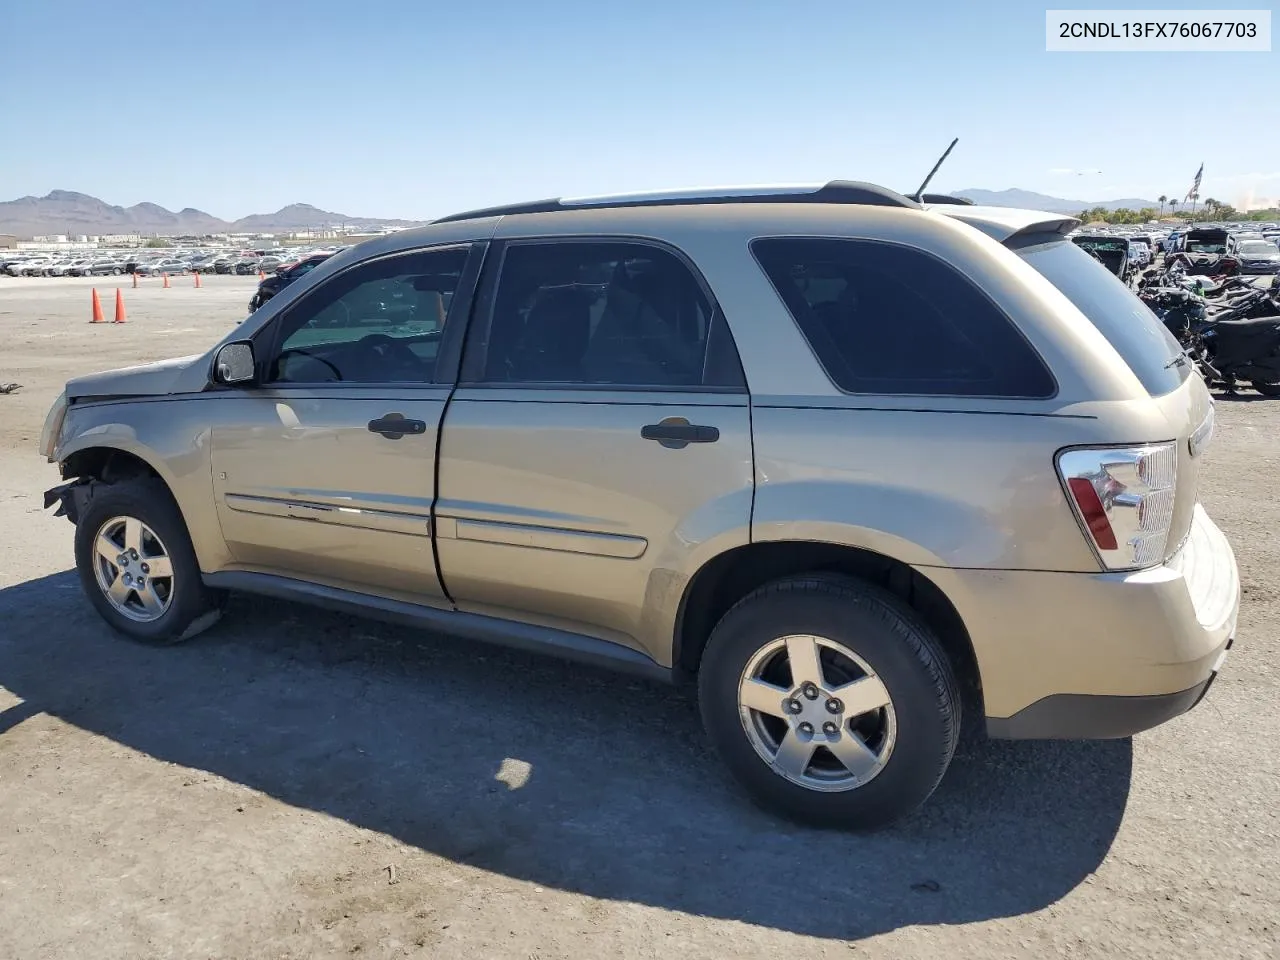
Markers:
point(393, 426)
point(676, 433)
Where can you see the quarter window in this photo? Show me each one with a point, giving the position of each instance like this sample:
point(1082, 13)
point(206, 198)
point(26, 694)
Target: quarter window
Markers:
point(883, 318)
point(377, 323)
point(604, 313)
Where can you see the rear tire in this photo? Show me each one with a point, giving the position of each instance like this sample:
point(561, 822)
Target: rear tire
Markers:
point(858, 769)
point(139, 519)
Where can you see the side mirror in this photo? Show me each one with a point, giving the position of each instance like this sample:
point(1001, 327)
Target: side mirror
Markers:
point(235, 363)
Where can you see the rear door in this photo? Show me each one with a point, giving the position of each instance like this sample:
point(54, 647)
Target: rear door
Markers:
point(598, 442)
point(326, 473)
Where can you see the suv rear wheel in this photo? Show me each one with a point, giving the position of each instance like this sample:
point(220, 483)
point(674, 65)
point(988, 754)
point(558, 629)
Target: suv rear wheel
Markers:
point(830, 701)
point(137, 565)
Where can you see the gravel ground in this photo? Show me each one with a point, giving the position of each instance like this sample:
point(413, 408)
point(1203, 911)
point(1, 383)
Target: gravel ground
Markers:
point(300, 784)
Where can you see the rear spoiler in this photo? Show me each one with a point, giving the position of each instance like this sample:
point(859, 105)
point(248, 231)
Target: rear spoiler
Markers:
point(1006, 224)
point(945, 198)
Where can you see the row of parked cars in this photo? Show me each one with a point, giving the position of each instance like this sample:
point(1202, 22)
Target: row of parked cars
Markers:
point(1203, 248)
point(149, 263)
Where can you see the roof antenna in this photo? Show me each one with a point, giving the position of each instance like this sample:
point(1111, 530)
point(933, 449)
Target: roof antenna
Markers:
point(920, 192)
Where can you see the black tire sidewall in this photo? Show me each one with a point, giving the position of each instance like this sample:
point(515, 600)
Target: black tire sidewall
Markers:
point(896, 645)
point(150, 502)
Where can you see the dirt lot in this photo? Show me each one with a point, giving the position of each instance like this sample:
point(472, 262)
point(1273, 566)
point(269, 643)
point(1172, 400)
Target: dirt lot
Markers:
point(297, 784)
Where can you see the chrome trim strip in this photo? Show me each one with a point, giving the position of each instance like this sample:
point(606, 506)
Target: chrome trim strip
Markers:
point(550, 538)
point(386, 521)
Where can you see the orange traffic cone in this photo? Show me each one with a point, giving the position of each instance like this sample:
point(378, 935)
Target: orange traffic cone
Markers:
point(120, 316)
point(166, 280)
point(135, 280)
point(197, 276)
point(97, 308)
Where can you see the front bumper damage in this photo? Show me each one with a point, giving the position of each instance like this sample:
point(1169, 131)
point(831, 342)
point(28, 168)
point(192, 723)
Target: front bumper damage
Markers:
point(71, 497)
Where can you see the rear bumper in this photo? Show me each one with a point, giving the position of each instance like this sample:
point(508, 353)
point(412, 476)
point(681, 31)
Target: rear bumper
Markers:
point(1073, 716)
point(1083, 656)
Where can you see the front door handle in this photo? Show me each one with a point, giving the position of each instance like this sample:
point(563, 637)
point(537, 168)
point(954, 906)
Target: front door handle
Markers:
point(676, 433)
point(393, 426)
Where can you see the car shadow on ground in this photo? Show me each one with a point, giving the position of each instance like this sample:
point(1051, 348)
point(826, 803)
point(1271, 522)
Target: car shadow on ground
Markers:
point(1240, 397)
point(552, 773)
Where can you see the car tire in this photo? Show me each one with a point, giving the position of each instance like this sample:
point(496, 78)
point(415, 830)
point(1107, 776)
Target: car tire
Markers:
point(860, 633)
point(1267, 389)
point(141, 515)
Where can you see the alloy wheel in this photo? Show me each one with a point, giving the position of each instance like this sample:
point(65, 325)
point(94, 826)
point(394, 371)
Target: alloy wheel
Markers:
point(133, 569)
point(817, 713)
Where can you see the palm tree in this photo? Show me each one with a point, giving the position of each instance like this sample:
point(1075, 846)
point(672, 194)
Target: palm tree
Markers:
point(1163, 200)
point(1211, 205)
point(1173, 207)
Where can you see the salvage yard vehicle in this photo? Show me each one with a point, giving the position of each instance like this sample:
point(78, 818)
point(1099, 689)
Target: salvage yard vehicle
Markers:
point(1204, 253)
point(854, 466)
point(1111, 251)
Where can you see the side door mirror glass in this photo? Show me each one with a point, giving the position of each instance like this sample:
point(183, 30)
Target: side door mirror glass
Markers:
point(235, 363)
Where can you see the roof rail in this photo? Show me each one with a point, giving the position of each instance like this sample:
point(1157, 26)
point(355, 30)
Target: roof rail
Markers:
point(836, 191)
point(945, 198)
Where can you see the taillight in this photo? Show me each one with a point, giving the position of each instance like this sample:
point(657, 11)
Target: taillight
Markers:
point(1123, 497)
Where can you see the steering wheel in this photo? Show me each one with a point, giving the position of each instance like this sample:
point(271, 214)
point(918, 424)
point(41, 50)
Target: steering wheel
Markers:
point(390, 350)
point(337, 374)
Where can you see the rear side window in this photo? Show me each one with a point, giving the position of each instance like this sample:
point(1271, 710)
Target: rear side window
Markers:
point(887, 319)
point(1136, 333)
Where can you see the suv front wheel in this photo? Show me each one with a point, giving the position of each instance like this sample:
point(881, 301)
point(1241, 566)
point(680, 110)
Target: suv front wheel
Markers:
point(137, 565)
point(830, 701)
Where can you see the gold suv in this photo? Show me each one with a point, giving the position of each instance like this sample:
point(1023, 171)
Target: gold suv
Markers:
point(848, 461)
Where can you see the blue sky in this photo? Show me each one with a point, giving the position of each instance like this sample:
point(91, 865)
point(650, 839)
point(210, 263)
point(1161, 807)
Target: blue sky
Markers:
point(415, 109)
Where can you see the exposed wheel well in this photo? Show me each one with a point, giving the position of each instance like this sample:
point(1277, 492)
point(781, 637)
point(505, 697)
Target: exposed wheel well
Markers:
point(732, 575)
point(108, 465)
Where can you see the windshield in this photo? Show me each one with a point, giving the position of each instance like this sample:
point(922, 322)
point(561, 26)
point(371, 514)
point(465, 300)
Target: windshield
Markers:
point(1259, 248)
point(1133, 330)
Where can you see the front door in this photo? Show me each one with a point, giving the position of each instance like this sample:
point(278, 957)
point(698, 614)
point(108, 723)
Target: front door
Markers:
point(326, 472)
point(599, 442)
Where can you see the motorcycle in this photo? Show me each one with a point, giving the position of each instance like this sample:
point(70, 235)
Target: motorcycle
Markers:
point(1233, 337)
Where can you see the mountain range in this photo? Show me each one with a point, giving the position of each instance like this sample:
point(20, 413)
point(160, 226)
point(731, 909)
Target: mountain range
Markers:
point(1029, 200)
point(68, 212)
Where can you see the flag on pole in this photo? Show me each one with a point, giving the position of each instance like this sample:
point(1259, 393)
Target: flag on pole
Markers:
point(1194, 192)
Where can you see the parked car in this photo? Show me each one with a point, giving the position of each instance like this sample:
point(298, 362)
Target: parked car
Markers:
point(283, 276)
point(29, 268)
point(805, 449)
point(1139, 252)
point(59, 268)
point(108, 266)
point(1258, 257)
point(156, 267)
point(204, 264)
point(225, 264)
point(139, 257)
point(246, 266)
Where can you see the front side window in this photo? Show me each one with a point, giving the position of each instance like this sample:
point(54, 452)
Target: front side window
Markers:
point(883, 318)
point(604, 313)
point(376, 323)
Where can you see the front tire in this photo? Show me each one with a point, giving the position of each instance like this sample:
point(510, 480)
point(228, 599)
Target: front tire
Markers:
point(137, 565)
point(830, 701)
